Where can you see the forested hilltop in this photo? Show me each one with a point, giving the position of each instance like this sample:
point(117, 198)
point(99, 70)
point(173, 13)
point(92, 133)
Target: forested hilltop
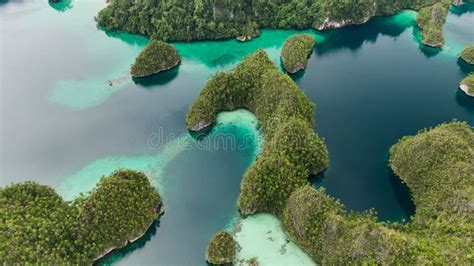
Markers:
point(177, 20)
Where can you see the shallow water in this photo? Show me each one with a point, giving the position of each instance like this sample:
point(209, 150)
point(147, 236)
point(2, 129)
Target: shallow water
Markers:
point(62, 124)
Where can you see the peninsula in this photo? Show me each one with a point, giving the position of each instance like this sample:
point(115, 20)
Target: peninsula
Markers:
point(292, 150)
point(431, 21)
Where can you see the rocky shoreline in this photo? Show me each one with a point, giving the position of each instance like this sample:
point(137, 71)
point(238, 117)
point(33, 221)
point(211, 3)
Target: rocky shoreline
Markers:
point(159, 210)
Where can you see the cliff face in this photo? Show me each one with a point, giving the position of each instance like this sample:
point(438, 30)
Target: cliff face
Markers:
point(212, 19)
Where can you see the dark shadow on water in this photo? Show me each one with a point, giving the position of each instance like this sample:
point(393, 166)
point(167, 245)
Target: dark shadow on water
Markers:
point(465, 67)
point(161, 78)
point(62, 5)
point(132, 39)
point(316, 180)
point(465, 101)
point(403, 195)
point(118, 254)
point(462, 9)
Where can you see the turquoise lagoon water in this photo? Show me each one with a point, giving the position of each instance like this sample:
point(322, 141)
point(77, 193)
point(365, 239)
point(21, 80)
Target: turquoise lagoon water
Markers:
point(70, 113)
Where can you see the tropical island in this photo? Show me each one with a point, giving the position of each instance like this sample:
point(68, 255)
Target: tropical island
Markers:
point(431, 21)
point(468, 54)
point(295, 52)
point(221, 249)
point(292, 150)
point(439, 178)
point(467, 85)
point(156, 57)
point(39, 226)
point(204, 20)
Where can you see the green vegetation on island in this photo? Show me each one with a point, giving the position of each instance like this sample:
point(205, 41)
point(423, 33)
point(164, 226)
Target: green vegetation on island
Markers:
point(468, 54)
point(431, 21)
point(156, 57)
point(291, 151)
point(249, 31)
point(438, 167)
point(39, 227)
point(467, 85)
point(295, 52)
point(175, 20)
point(221, 249)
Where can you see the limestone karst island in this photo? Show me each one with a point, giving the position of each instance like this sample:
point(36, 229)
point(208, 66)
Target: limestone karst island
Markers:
point(289, 132)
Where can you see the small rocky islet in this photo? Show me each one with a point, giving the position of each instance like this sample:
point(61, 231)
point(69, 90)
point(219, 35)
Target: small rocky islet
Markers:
point(295, 52)
point(39, 226)
point(440, 178)
point(467, 84)
point(467, 54)
point(155, 58)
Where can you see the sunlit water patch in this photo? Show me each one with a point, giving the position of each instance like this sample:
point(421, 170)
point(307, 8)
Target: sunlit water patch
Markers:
point(261, 237)
point(153, 166)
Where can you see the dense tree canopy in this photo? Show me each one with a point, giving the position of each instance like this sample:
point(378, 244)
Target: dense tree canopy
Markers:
point(431, 20)
point(295, 52)
point(292, 150)
point(221, 248)
point(177, 20)
point(156, 57)
point(438, 167)
point(38, 226)
point(468, 54)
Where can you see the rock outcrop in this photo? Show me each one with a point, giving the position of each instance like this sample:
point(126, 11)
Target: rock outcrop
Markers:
point(156, 57)
point(296, 51)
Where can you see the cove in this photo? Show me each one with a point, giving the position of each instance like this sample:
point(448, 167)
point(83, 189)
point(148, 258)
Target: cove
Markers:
point(372, 84)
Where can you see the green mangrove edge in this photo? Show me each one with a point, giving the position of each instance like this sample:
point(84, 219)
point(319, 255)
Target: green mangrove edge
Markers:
point(39, 227)
point(156, 57)
point(221, 248)
point(295, 52)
